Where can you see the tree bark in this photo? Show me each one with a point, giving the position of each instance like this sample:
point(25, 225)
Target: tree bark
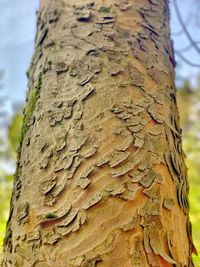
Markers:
point(100, 179)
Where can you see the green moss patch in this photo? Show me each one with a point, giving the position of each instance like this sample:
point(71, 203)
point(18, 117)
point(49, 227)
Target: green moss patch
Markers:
point(105, 9)
point(30, 107)
point(50, 215)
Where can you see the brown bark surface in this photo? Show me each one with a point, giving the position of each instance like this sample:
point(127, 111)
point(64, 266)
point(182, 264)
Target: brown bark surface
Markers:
point(101, 179)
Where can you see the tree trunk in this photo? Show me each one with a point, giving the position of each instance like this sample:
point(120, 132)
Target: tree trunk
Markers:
point(100, 179)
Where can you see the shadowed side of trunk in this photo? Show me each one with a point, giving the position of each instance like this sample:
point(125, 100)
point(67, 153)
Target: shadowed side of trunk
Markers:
point(100, 178)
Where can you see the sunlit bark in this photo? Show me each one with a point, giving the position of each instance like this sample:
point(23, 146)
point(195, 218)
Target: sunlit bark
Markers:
point(101, 179)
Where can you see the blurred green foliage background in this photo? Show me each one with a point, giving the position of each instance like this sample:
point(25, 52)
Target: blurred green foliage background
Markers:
point(189, 109)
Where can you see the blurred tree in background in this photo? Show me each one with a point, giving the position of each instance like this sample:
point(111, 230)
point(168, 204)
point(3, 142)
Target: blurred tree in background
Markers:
point(189, 110)
point(8, 147)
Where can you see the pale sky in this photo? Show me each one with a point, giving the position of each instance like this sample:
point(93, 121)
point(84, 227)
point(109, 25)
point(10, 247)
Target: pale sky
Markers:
point(17, 27)
point(190, 12)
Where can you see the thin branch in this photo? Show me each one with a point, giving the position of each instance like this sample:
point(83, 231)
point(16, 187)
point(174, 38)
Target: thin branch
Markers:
point(185, 28)
point(178, 33)
point(187, 48)
point(186, 60)
point(181, 31)
point(197, 20)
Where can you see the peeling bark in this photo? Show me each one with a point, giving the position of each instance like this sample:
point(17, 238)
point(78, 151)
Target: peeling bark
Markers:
point(100, 178)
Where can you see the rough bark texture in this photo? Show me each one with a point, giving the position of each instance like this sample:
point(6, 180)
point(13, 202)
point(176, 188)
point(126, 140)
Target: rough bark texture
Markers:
point(100, 179)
